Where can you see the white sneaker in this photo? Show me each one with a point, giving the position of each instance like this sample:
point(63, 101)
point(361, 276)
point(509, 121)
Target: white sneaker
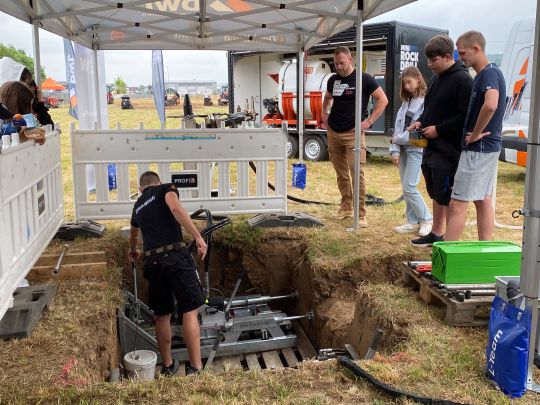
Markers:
point(425, 228)
point(407, 228)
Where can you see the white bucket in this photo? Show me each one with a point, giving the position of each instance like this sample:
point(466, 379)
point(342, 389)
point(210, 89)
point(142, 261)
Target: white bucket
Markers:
point(141, 364)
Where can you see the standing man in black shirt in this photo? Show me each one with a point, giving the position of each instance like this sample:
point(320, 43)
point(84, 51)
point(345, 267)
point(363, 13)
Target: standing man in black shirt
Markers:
point(445, 108)
point(340, 97)
point(168, 266)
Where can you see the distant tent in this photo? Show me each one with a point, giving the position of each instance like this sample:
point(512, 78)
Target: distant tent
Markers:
point(51, 84)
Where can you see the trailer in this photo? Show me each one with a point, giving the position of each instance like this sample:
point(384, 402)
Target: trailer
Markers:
point(270, 80)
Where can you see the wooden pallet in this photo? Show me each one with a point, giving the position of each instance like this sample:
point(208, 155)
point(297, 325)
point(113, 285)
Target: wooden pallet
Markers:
point(269, 360)
point(457, 313)
point(74, 265)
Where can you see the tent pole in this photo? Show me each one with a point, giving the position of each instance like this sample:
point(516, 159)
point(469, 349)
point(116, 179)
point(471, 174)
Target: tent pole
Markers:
point(300, 102)
point(530, 264)
point(37, 54)
point(96, 88)
point(358, 111)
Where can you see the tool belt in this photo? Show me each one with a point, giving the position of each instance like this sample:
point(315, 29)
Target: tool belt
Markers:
point(163, 249)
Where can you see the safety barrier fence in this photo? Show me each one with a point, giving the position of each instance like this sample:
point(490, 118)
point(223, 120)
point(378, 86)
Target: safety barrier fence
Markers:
point(210, 167)
point(31, 209)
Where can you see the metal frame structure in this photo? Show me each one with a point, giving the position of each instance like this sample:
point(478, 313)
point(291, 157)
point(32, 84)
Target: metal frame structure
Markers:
point(530, 265)
point(253, 327)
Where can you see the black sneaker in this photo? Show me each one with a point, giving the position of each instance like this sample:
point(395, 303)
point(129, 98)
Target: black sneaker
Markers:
point(170, 370)
point(427, 241)
point(192, 370)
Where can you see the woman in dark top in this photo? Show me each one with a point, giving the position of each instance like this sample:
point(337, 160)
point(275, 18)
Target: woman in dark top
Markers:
point(38, 106)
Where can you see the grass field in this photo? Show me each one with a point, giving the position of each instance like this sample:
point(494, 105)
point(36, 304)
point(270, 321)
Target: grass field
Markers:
point(430, 359)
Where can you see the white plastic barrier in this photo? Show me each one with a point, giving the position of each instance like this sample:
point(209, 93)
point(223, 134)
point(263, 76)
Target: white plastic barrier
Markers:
point(31, 209)
point(209, 166)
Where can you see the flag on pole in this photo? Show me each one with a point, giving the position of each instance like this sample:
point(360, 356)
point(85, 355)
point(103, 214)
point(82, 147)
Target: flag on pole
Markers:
point(158, 83)
point(70, 76)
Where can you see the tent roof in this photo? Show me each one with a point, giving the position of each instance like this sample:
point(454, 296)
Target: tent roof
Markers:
point(51, 84)
point(260, 25)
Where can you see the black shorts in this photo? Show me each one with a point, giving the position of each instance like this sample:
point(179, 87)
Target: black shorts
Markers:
point(439, 183)
point(169, 275)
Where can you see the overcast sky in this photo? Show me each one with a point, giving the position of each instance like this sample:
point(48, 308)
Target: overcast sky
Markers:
point(492, 17)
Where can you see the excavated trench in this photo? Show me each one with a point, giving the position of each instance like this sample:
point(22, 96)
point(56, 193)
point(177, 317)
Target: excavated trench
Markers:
point(342, 315)
point(279, 266)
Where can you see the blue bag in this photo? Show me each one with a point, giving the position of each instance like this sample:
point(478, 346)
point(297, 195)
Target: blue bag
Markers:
point(507, 350)
point(299, 172)
point(111, 172)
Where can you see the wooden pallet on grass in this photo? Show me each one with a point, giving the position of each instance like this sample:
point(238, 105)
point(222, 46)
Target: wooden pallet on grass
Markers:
point(74, 265)
point(471, 312)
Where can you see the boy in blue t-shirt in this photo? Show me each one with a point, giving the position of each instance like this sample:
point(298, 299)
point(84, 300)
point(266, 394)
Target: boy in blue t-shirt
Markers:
point(481, 142)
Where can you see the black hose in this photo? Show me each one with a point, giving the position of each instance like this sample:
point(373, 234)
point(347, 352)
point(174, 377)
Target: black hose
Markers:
point(388, 389)
point(370, 198)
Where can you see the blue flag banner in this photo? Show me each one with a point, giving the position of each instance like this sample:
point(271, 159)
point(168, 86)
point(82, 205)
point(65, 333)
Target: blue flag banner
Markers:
point(158, 83)
point(70, 77)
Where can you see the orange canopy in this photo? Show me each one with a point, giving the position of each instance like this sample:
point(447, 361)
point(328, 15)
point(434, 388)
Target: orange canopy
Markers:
point(51, 84)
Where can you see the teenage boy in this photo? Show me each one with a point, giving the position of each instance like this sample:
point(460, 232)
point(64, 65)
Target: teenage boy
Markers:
point(445, 108)
point(481, 140)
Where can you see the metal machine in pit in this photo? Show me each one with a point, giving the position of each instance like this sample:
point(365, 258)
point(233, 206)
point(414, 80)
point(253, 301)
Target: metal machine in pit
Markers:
point(229, 326)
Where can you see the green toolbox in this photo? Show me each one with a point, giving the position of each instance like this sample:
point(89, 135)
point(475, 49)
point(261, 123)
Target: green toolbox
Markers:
point(474, 262)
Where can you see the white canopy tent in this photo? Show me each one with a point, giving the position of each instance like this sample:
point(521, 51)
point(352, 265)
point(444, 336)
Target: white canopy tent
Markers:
point(263, 25)
point(260, 25)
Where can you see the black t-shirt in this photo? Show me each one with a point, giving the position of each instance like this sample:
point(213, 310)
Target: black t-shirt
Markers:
point(152, 214)
point(342, 89)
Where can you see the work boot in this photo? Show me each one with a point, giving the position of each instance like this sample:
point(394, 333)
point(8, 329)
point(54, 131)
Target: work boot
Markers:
point(192, 370)
point(171, 370)
point(342, 214)
point(362, 222)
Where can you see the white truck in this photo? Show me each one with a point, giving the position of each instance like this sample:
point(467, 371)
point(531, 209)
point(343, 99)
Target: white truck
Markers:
point(517, 68)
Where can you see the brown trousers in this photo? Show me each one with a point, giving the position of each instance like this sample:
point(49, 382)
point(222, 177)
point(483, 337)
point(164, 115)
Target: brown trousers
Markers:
point(340, 148)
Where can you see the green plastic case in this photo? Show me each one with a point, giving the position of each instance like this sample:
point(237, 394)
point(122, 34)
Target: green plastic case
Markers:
point(475, 262)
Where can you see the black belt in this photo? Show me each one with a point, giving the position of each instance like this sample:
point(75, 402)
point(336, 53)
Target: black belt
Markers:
point(163, 249)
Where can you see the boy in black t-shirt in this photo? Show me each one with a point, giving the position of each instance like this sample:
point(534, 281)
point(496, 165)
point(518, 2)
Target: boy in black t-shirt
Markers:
point(340, 97)
point(481, 140)
point(445, 107)
point(168, 266)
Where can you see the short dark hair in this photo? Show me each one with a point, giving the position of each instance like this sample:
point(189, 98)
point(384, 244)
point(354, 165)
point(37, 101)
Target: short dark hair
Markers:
point(439, 45)
point(342, 49)
point(471, 38)
point(25, 75)
point(148, 178)
point(16, 97)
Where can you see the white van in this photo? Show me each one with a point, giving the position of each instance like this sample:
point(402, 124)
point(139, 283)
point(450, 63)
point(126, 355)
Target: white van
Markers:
point(517, 68)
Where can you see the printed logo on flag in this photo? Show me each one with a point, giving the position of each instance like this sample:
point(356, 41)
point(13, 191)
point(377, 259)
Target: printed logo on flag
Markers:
point(70, 77)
